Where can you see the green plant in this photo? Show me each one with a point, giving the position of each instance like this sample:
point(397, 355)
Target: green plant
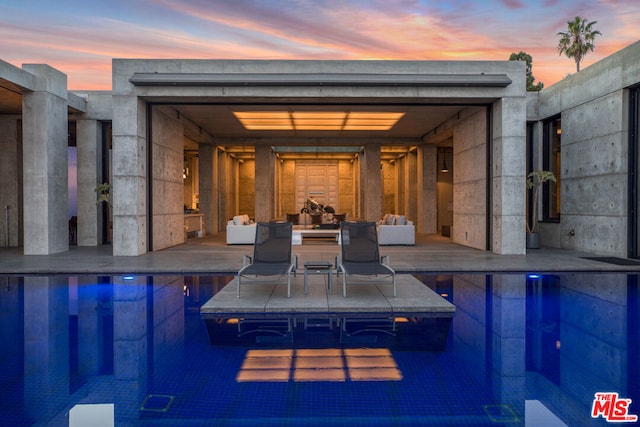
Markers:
point(578, 40)
point(524, 56)
point(103, 192)
point(534, 180)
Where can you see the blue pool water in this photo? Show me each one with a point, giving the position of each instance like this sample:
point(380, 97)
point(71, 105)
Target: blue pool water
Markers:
point(520, 350)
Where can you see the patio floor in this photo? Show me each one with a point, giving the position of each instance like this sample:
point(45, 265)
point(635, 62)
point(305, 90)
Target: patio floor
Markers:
point(211, 255)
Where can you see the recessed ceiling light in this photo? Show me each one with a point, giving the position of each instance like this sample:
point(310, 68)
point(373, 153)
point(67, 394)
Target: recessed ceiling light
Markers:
point(318, 120)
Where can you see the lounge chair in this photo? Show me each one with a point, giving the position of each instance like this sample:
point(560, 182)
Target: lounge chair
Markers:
point(361, 256)
point(271, 255)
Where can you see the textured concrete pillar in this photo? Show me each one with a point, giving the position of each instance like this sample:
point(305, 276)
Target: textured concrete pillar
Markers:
point(89, 145)
point(209, 190)
point(226, 200)
point(372, 191)
point(508, 189)
point(427, 194)
point(9, 182)
point(411, 206)
point(129, 187)
point(265, 183)
point(45, 142)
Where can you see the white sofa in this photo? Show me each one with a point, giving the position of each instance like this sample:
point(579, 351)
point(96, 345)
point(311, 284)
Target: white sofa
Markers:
point(396, 230)
point(241, 231)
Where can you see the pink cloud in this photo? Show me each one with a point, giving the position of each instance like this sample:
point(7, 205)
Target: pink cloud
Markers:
point(83, 46)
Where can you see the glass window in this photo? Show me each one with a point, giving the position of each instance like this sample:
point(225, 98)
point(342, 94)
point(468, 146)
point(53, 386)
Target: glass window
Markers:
point(552, 162)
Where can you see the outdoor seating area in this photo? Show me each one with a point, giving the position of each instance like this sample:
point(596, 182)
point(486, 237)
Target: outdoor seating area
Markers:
point(360, 255)
point(271, 255)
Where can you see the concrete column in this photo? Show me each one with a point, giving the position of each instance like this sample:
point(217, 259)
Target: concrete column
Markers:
point(129, 171)
point(508, 189)
point(265, 183)
point(10, 171)
point(372, 190)
point(89, 145)
point(411, 206)
point(45, 142)
point(209, 191)
point(427, 193)
point(227, 204)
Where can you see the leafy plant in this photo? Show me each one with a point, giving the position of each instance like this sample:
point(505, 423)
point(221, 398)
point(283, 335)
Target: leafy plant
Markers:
point(534, 180)
point(103, 192)
point(578, 40)
point(524, 56)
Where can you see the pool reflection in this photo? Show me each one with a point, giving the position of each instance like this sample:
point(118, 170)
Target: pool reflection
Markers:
point(518, 347)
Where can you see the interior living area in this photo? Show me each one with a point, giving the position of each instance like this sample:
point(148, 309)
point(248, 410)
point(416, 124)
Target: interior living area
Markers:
point(317, 153)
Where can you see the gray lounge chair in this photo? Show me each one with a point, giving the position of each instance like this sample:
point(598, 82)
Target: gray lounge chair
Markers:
point(361, 255)
point(271, 255)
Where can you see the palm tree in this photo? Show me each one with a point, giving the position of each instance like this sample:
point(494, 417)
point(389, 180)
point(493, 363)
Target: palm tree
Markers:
point(578, 40)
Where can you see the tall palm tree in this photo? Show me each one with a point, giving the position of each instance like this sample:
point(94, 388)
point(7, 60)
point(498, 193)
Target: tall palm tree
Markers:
point(578, 40)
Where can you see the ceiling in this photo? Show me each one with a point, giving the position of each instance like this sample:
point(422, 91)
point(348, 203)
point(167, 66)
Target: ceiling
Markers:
point(219, 121)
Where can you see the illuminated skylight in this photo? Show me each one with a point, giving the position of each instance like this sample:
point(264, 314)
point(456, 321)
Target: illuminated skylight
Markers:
point(318, 120)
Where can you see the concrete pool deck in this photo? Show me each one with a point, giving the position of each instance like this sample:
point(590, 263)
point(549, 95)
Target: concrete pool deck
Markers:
point(271, 298)
point(211, 255)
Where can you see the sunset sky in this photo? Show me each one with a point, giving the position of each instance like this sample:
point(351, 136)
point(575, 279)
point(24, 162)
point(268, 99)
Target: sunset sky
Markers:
point(81, 37)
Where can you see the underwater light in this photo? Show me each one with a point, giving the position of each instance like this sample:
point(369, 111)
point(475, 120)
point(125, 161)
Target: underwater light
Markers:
point(128, 277)
point(533, 276)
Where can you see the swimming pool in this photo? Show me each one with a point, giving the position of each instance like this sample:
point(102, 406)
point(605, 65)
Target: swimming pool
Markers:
point(520, 349)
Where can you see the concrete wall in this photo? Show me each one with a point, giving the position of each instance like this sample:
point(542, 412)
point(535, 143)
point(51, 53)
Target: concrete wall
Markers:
point(392, 187)
point(445, 191)
point(10, 182)
point(594, 187)
point(287, 186)
point(167, 183)
point(470, 181)
point(246, 194)
point(346, 189)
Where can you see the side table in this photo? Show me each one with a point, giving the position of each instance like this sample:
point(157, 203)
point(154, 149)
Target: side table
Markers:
point(318, 267)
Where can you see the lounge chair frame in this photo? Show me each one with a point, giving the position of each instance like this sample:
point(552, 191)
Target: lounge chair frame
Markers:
point(361, 255)
point(271, 255)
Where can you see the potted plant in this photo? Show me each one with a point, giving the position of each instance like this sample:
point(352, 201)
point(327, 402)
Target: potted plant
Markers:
point(103, 192)
point(534, 180)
